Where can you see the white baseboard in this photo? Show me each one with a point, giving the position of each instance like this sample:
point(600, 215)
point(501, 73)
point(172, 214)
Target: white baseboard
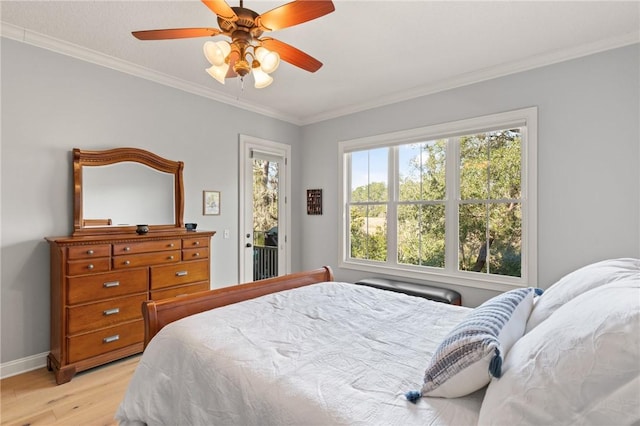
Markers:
point(19, 366)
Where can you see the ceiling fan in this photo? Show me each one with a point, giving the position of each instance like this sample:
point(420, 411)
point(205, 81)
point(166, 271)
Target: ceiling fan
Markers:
point(248, 51)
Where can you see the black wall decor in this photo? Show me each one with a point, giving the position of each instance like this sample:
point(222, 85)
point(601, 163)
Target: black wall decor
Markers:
point(314, 201)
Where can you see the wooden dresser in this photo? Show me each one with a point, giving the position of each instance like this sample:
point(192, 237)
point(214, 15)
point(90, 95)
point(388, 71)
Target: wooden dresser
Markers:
point(98, 284)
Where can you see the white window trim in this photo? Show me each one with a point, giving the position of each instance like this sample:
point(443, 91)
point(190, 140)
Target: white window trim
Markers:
point(527, 117)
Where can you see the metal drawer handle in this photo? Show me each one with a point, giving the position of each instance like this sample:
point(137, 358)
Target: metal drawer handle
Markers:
point(126, 262)
point(110, 284)
point(196, 254)
point(181, 274)
point(196, 243)
point(89, 251)
point(170, 257)
point(90, 266)
point(111, 338)
point(127, 249)
point(171, 245)
point(111, 311)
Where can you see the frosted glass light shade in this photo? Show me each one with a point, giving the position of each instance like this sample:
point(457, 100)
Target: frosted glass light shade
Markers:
point(269, 60)
point(216, 52)
point(218, 72)
point(261, 78)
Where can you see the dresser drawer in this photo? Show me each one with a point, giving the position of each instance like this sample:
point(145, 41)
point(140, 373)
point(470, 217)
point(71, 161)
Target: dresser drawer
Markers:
point(146, 259)
point(96, 287)
point(145, 246)
point(195, 242)
point(90, 266)
point(182, 273)
point(104, 314)
point(195, 254)
point(182, 290)
point(87, 252)
point(105, 340)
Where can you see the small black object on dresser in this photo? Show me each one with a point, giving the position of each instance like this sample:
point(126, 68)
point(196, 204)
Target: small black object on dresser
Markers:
point(420, 290)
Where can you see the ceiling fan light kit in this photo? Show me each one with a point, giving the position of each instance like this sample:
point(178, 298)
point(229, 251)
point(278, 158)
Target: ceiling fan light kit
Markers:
point(247, 52)
point(219, 55)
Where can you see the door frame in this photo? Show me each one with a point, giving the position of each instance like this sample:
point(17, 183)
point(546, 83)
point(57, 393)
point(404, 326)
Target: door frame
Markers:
point(246, 145)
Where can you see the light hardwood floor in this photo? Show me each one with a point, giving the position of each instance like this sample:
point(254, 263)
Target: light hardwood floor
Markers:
point(91, 398)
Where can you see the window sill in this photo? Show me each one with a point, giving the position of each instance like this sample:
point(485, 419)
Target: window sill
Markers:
point(466, 279)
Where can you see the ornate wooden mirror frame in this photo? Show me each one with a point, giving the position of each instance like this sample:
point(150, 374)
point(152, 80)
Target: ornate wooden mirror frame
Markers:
point(84, 158)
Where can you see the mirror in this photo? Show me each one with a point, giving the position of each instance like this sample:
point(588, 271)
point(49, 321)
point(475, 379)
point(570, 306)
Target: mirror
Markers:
point(126, 194)
point(114, 190)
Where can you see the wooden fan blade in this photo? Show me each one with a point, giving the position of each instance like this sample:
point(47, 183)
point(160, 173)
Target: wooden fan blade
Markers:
point(222, 9)
point(294, 13)
point(292, 55)
point(175, 33)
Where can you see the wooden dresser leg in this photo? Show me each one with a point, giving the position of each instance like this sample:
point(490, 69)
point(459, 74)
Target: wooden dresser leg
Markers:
point(64, 374)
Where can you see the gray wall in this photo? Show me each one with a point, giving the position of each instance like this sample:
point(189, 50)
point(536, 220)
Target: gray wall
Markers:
point(588, 158)
point(589, 161)
point(52, 103)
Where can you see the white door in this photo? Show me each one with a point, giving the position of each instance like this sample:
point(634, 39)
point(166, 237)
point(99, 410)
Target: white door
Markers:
point(264, 211)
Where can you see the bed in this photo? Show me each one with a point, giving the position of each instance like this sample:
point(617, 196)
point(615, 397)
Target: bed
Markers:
point(306, 350)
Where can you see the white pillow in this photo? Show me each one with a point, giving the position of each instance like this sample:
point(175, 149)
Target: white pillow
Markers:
point(580, 366)
point(473, 351)
point(578, 282)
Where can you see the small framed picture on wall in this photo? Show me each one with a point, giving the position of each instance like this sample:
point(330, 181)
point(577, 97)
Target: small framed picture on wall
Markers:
point(210, 203)
point(314, 201)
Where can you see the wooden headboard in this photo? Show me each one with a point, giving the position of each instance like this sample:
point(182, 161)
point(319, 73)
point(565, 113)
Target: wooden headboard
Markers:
point(158, 313)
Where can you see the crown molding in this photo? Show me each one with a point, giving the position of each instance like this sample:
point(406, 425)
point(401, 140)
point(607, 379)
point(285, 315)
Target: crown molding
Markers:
point(485, 74)
point(33, 38)
point(69, 49)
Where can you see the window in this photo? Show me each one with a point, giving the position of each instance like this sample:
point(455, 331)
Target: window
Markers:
point(454, 202)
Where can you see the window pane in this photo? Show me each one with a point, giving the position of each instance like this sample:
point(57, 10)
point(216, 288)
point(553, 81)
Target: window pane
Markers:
point(422, 170)
point(474, 167)
point(421, 235)
point(506, 230)
point(472, 226)
point(369, 175)
point(504, 221)
point(490, 165)
point(504, 169)
point(368, 232)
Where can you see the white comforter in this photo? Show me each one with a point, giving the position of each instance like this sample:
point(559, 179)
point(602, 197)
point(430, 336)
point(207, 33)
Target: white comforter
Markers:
point(325, 354)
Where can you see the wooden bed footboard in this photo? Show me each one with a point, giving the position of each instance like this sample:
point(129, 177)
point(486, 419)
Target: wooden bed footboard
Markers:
point(158, 313)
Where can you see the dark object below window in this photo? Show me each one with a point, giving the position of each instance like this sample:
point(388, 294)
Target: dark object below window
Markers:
point(420, 290)
point(271, 237)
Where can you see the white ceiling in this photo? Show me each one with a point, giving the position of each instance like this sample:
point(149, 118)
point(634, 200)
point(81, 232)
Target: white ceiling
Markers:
point(374, 52)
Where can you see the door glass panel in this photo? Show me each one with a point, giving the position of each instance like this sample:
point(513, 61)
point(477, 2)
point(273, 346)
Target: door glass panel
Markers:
point(265, 218)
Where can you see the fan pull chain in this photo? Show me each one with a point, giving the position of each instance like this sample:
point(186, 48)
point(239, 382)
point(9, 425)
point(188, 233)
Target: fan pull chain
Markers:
point(240, 87)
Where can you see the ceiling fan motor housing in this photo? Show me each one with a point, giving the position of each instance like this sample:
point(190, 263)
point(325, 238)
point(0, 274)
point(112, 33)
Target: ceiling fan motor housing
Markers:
point(246, 22)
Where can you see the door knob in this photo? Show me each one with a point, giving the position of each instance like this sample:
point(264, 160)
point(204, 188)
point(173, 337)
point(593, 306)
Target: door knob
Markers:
point(248, 245)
